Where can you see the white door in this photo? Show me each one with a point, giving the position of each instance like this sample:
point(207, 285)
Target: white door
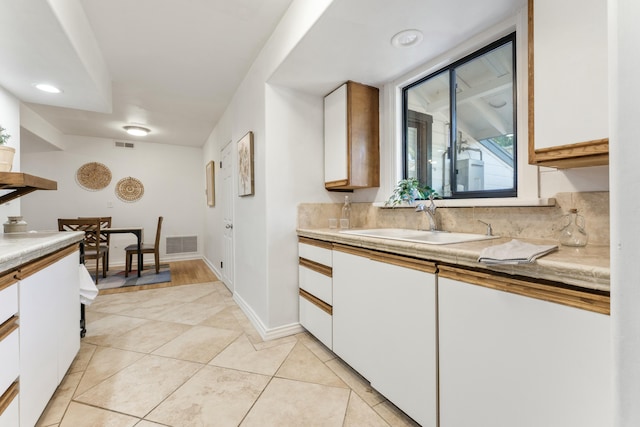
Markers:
point(227, 222)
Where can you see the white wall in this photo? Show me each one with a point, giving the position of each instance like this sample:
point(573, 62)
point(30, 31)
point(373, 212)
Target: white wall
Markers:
point(296, 173)
point(10, 120)
point(624, 68)
point(173, 179)
point(264, 220)
point(554, 181)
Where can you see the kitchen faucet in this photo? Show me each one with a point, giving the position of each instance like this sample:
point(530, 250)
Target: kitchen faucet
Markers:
point(430, 211)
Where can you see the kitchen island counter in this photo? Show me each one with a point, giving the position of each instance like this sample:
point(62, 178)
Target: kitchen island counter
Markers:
point(19, 248)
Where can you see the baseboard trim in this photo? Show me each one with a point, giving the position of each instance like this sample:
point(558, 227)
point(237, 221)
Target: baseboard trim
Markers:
point(266, 333)
point(212, 267)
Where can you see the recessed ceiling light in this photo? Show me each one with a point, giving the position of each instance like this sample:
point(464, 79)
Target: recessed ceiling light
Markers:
point(407, 38)
point(45, 87)
point(136, 130)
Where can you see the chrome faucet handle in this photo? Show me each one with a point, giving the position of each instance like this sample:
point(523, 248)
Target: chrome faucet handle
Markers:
point(432, 206)
point(489, 229)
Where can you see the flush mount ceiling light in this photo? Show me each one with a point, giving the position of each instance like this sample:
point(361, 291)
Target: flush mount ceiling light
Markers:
point(407, 38)
point(136, 130)
point(45, 87)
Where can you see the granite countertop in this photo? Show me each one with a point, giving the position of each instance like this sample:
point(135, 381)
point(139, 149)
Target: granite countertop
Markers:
point(19, 248)
point(586, 267)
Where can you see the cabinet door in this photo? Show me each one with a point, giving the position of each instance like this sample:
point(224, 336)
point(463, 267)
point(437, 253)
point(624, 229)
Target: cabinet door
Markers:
point(38, 345)
point(67, 279)
point(385, 327)
point(317, 320)
point(508, 360)
point(335, 136)
point(354, 313)
point(49, 332)
point(10, 414)
point(351, 137)
point(9, 341)
point(569, 82)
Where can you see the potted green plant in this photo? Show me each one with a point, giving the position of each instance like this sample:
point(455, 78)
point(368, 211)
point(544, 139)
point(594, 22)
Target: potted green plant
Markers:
point(408, 191)
point(6, 152)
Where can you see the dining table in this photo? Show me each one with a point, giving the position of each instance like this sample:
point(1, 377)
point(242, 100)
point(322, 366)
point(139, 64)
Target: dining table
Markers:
point(137, 231)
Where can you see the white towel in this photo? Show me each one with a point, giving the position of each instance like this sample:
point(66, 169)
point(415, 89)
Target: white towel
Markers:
point(514, 252)
point(88, 289)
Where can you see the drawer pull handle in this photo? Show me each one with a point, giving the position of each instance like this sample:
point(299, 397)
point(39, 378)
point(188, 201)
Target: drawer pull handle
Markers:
point(9, 326)
point(8, 396)
point(317, 267)
point(316, 301)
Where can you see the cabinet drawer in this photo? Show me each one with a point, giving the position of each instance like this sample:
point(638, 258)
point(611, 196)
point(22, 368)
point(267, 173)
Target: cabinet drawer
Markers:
point(315, 253)
point(9, 355)
point(9, 410)
point(8, 302)
point(315, 283)
point(317, 321)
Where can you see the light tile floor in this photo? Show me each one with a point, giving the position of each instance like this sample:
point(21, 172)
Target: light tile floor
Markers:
point(188, 356)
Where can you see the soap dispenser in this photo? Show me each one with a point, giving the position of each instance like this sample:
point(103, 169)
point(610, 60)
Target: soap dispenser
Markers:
point(573, 232)
point(345, 219)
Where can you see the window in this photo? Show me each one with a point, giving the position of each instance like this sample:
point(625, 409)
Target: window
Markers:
point(460, 125)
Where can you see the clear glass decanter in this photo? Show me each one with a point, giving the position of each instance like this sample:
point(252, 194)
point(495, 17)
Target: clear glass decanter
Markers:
point(573, 232)
point(345, 220)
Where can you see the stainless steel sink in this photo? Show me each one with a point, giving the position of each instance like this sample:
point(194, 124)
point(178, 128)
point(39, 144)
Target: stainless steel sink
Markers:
point(419, 236)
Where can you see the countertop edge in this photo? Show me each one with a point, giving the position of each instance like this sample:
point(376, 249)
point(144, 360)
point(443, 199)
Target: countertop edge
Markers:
point(17, 249)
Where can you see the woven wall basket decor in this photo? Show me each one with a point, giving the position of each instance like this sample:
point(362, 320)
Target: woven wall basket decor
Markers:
point(93, 176)
point(129, 189)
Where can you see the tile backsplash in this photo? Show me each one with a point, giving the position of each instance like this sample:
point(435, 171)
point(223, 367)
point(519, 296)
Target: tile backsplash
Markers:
point(539, 222)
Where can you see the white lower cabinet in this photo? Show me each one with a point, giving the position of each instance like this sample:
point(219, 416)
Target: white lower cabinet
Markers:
point(9, 351)
point(509, 360)
point(49, 331)
point(466, 349)
point(384, 326)
point(314, 280)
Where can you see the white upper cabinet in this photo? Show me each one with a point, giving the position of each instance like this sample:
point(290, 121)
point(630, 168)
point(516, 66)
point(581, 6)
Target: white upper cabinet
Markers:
point(351, 137)
point(568, 87)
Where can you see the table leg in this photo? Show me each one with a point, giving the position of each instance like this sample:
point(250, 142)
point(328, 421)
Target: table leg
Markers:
point(139, 235)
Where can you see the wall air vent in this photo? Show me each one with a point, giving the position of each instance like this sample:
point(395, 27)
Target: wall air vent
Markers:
point(182, 244)
point(120, 144)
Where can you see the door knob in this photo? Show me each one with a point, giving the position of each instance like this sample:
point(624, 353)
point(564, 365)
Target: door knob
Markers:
point(228, 226)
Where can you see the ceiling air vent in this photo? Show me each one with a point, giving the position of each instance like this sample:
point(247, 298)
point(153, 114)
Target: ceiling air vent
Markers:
point(124, 144)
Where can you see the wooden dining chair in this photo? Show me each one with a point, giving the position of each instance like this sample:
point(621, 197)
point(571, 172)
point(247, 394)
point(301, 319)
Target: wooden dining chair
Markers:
point(145, 249)
point(92, 248)
point(105, 238)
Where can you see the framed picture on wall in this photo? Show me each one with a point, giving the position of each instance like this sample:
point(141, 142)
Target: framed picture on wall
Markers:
point(211, 183)
point(245, 165)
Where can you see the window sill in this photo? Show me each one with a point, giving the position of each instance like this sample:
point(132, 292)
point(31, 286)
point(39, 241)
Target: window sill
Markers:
point(471, 203)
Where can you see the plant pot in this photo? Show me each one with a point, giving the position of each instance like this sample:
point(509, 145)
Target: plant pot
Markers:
point(6, 158)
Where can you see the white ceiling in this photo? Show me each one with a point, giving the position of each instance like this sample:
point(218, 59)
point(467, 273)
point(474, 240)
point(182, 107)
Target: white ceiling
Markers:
point(352, 40)
point(174, 65)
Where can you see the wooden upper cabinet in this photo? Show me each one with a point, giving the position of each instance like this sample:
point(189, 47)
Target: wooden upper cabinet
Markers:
point(351, 137)
point(568, 87)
